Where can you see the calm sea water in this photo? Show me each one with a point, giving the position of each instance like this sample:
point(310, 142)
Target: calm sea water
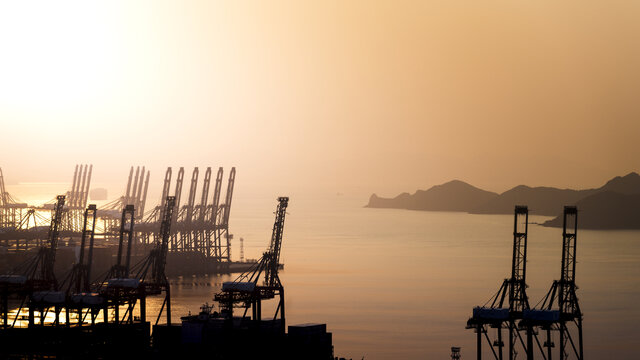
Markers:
point(394, 284)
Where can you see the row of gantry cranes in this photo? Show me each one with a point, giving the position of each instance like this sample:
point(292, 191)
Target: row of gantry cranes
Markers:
point(87, 315)
point(82, 297)
point(76, 299)
point(120, 297)
point(533, 330)
point(201, 228)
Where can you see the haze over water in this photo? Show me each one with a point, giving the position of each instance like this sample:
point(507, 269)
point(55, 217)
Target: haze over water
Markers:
point(396, 284)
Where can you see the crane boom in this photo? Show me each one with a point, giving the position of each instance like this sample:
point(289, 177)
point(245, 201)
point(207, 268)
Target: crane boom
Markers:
point(271, 274)
point(54, 236)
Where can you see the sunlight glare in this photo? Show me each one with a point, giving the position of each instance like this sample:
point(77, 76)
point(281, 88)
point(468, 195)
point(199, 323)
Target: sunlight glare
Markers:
point(54, 53)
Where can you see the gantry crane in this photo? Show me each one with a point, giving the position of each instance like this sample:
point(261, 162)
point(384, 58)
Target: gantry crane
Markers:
point(35, 279)
point(220, 218)
point(245, 292)
point(149, 277)
point(513, 290)
point(151, 271)
point(40, 272)
point(81, 272)
point(121, 289)
point(42, 282)
point(201, 228)
point(560, 307)
point(79, 295)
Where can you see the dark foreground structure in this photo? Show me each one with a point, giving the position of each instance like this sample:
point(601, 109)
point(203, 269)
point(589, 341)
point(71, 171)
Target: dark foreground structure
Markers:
point(125, 341)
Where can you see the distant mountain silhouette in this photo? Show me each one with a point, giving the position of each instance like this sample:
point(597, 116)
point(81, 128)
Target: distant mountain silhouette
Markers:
point(548, 201)
point(615, 205)
point(540, 200)
point(628, 184)
point(455, 195)
point(605, 210)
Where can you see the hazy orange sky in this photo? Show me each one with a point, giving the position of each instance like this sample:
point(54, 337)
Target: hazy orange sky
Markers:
point(352, 96)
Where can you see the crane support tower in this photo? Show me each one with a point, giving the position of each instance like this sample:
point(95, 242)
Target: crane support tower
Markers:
point(213, 247)
point(200, 215)
point(513, 294)
point(222, 238)
point(120, 270)
point(186, 214)
point(560, 309)
point(174, 219)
